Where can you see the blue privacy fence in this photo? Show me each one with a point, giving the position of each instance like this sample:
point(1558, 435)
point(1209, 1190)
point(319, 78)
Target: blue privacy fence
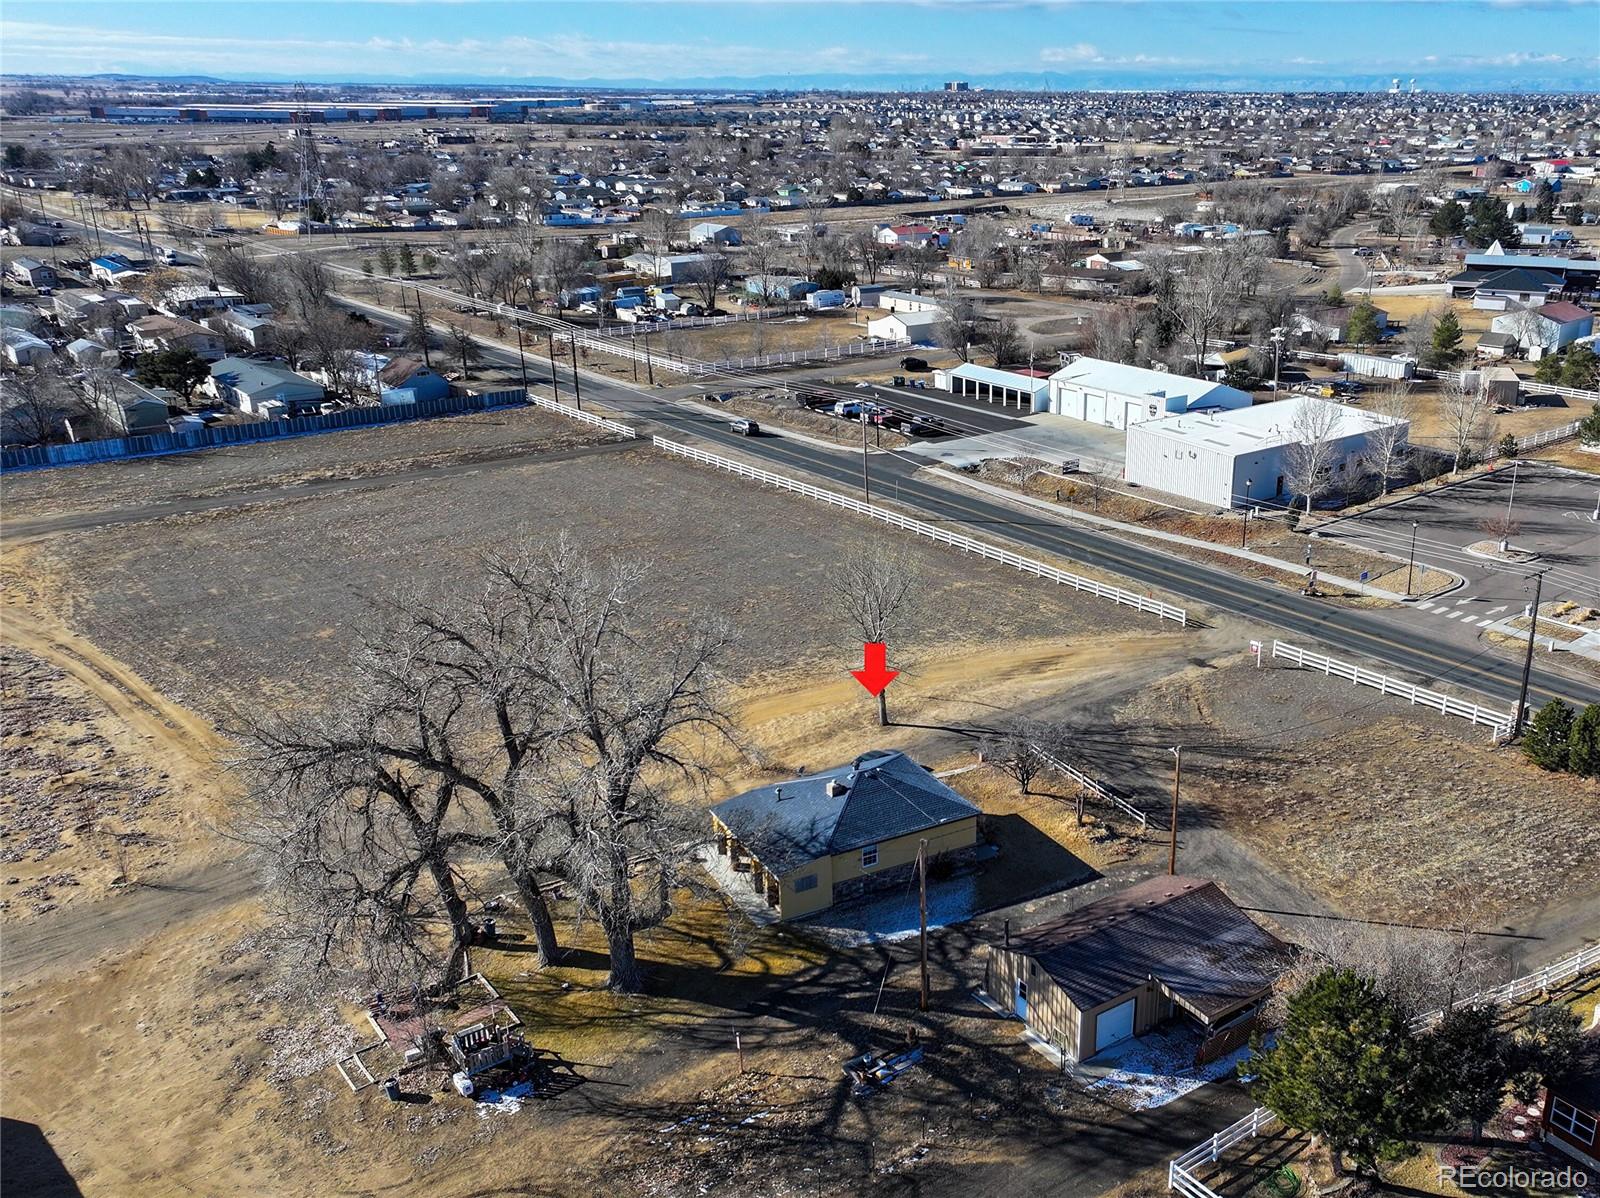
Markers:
point(114, 448)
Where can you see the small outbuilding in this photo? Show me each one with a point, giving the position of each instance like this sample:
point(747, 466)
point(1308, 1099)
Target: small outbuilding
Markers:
point(919, 328)
point(1169, 948)
point(1004, 387)
point(808, 842)
point(1571, 1115)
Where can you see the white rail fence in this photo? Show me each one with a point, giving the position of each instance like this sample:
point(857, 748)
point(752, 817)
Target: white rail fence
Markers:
point(572, 413)
point(1498, 722)
point(933, 532)
point(1095, 788)
point(1534, 440)
point(1181, 1169)
point(825, 353)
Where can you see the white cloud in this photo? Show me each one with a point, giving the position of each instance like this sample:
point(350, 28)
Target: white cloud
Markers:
point(1082, 52)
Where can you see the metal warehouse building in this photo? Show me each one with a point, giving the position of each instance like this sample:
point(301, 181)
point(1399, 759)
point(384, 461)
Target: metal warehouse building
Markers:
point(1230, 458)
point(1119, 396)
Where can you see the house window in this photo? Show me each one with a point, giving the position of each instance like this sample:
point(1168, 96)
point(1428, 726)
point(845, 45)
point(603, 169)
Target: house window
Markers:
point(1565, 1117)
point(869, 856)
point(809, 882)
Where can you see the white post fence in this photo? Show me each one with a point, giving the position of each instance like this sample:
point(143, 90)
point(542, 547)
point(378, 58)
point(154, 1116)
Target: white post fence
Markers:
point(611, 426)
point(1181, 1169)
point(1027, 565)
point(1498, 722)
point(1095, 788)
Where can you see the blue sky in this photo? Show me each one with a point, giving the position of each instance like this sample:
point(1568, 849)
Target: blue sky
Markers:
point(1524, 43)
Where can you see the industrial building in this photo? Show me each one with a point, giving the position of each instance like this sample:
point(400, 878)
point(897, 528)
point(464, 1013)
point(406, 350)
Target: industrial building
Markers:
point(1231, 458)
point(288, 112)
point(1119, 396)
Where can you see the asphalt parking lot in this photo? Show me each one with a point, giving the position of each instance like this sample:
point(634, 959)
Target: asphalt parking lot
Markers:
point(1552, 513)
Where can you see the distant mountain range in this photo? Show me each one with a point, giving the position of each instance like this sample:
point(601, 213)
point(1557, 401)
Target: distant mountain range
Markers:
point(1564, 79)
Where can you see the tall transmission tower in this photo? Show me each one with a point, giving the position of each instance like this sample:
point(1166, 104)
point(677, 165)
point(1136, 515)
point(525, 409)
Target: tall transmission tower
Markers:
point(305, 149)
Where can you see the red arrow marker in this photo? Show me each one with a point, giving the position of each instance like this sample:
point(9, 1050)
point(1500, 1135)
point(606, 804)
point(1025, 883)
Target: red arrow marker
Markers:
point(875, 673)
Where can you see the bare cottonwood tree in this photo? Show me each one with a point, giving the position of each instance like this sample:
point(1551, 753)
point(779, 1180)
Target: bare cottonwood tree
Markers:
point(1467, 421)
point(1388, 442)
point(920, 262)
point(1309, 456)
point(1005, 340)
point(1019, 751)
point(1114, 334)
point(656, 227)
point(869, 254)
point(959, 326)
point(707, 278)
point(566, 263)
point(876, 591)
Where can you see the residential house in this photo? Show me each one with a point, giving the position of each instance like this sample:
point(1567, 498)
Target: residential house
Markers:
point(22, 348)
point(711, 233)
point(194, 301)
point(1170, 948)
point(34, 273)
point(919, 328)
point(263, 388)
point(154, 333)
point(1514, 285)
point(812, 841)
point(1496, 345)
point(908, 301)
point(1540, 235)
point(1571, 1115)
point(89, 354)
point(778, 287)
point(906, 235)
point(1546, 328)
point(1332, 322)
point(408, 380)
point(114, 270)
point(248, 323)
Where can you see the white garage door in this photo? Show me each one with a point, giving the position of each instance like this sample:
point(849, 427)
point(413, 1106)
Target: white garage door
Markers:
point(1113, 1026)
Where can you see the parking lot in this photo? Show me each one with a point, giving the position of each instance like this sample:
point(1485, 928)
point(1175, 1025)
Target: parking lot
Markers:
point(1552, 515)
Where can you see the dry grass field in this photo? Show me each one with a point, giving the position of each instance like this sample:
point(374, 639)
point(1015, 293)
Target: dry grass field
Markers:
point(1303, 797)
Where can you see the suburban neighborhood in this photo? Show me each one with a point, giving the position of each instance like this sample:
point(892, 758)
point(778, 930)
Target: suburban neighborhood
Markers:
point(695, 599)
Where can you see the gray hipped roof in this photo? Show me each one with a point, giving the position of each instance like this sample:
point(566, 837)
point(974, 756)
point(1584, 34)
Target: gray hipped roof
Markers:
point(883, 794)
point(1183, 932)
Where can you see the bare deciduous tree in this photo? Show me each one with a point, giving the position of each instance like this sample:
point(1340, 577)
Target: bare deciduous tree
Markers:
point(1019, 750)
point(959, 326)
point(1309, 456)
point(1467, 421)
point(707, 277)
point(1388, 442)
point(869, 254)
point(876, 590)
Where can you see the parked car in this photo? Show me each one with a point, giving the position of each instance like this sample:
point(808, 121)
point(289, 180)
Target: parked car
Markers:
point(744, 427)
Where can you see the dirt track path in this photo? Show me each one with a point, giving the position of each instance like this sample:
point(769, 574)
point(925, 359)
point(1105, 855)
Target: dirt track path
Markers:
point(190, 751)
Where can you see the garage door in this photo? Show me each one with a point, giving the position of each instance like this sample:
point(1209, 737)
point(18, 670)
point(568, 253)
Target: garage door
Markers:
point(1113, 1026)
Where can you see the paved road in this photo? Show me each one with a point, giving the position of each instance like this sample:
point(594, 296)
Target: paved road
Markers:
point(1403, 639)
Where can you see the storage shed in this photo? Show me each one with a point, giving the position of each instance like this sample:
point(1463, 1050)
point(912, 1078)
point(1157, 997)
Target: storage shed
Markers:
point(1168, 948)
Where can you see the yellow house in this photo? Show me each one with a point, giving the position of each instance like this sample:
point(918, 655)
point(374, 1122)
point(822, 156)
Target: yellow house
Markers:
point(808, 842)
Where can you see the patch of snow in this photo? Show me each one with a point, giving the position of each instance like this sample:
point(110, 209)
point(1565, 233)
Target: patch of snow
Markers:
point(503, 1102)
point(1156, 1069)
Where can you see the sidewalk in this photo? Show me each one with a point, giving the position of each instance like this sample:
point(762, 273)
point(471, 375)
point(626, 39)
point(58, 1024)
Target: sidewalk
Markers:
point(1172, 538)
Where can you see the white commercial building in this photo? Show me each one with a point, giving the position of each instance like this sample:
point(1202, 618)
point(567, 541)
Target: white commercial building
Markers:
point(1004, 387)
point(1119, 396)
point(1230, 458)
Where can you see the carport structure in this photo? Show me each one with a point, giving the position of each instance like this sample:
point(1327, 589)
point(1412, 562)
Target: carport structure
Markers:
point(1008, 388)
point(1170, 947)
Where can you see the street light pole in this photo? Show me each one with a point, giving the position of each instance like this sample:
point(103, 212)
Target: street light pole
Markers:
point(1527, 661)
point(1244, 527)
point(1412, 560)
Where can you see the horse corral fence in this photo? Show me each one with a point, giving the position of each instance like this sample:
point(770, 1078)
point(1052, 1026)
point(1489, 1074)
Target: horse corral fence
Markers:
point(1099, 790)
point(1181, 1169)
point(115, 448)
point(1498, 722)
point(1026, 565)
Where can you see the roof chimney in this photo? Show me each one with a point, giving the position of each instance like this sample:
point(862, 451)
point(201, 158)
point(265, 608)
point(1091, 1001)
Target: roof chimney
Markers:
point(836, 787)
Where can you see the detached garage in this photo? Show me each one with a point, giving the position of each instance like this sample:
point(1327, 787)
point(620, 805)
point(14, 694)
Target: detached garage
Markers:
point(1170, 948)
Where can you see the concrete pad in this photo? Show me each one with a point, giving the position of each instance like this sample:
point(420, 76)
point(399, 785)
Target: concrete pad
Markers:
point(1043, 435)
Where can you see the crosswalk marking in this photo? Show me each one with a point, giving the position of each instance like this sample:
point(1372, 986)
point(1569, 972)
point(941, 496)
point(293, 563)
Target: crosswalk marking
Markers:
point(1425, 606)
point(1452, 614)
point(1484, 623)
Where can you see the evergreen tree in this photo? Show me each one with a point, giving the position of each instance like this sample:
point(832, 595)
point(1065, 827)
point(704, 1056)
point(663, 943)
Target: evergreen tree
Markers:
point(1487, 223)
point(1549, 369)
point(408, 260)
point(386, 259)
point(1449, 220)
point(1545, 1048)
point(1546, 740)
point(1470, 1063)
point(1589, 427)
point(1579, 367)
point(1363, 326)
point(1544, 202)
point(178, 370)
point(1583, 743)
point(1345, 1069)
point(1334, 296)
point(1446, 348)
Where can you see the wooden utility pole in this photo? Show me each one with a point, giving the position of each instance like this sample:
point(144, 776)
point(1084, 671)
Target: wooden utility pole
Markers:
point(738, 1047)
point(555, 379)
point(577, 391)
point(1177, 771)
point(866, 480)
point(922, 910)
